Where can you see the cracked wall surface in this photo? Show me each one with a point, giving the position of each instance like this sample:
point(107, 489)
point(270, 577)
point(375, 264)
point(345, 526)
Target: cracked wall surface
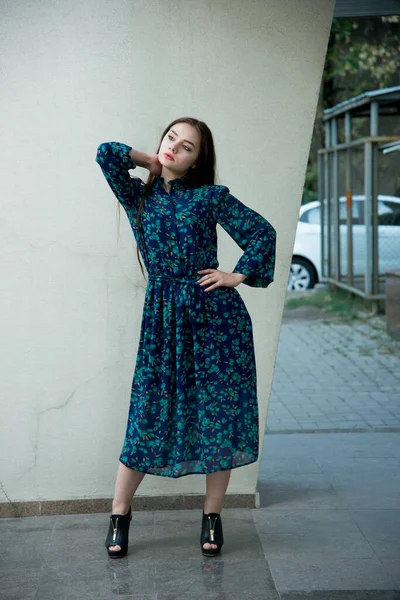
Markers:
point(72, 292)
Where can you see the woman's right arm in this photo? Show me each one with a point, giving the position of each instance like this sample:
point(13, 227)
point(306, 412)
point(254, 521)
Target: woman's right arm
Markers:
point(140, 158)
point(115, 160)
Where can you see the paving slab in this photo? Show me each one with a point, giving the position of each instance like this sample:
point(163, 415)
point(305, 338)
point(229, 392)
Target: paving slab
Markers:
point(335, 376)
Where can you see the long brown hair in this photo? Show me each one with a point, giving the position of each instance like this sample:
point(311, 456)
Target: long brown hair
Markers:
point(202, 174)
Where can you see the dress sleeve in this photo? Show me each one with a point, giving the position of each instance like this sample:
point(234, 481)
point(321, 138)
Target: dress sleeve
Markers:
point(115, 162)
point(253, 234)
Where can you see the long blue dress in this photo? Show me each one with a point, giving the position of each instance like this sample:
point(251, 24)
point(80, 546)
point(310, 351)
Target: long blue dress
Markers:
point(193, 406)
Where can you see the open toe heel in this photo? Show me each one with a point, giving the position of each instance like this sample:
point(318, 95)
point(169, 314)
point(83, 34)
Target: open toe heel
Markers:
point(211, 533)
point(118, 534)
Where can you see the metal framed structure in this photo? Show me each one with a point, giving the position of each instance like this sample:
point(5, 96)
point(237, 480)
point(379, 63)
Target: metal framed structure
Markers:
point(337, 162)
point(363, 8)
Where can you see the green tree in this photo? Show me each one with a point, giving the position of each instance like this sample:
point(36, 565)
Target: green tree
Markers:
point(363, 54)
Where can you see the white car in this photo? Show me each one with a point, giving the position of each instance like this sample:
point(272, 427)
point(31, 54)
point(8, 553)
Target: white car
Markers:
point(305, 270)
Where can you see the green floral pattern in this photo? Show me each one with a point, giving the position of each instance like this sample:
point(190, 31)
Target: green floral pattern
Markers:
point(193, 406)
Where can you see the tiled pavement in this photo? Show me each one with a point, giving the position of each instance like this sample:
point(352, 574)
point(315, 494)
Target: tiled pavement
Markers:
point(328, 527)
point(330, 376)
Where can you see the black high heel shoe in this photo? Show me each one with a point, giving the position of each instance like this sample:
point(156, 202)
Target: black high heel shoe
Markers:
point(118, 534)
point(212, 533)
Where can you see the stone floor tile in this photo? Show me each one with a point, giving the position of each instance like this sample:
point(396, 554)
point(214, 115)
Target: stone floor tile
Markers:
point(303, 574)
point(98, 579)
point(215, 575)
point(342, 595)
point(382, 530)
point(18, 582)
point(392, 565)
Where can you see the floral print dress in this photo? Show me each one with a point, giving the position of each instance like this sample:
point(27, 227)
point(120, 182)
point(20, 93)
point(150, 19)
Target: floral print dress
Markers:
point(193, 406)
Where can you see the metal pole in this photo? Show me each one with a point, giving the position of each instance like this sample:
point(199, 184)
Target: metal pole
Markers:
point(327, 134)
point(368, 186)
point(321, 187)
point(327, 195)
point(374, 202)
point(335, 199)
point(374, 116)
point(374, 131)
point(349, 200)
point(380, 139)
point(357, 291)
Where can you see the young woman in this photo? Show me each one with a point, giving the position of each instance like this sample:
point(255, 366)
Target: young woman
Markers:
point(193, 406)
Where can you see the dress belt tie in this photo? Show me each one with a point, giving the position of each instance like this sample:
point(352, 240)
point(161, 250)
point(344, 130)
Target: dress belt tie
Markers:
point(189, 296)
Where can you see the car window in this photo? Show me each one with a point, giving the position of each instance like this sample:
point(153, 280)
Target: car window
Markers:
point(312, 216)
point(388, 213)
point(357, 209)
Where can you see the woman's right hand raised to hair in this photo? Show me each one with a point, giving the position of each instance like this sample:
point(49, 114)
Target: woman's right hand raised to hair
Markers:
point(155, 166)
point(147, 161)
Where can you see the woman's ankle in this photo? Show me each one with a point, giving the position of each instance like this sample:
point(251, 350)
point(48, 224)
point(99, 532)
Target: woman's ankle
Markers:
point(119, 508)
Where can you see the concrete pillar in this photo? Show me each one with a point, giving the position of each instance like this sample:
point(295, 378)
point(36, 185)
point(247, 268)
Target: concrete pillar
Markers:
point(79, 73)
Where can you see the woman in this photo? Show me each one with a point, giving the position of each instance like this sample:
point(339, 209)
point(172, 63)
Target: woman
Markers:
point(193, 405)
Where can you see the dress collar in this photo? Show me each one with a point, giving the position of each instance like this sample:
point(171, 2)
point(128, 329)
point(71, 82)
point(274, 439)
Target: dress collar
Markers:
point(178, 181)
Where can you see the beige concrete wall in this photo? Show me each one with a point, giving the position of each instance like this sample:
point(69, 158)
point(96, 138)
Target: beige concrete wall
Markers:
point(80, 73)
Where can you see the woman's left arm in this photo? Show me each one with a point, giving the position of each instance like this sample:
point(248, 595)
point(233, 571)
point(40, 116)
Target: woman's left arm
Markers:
point(253, 234)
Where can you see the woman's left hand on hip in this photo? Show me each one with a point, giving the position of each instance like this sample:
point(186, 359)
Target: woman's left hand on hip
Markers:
point(219, 278)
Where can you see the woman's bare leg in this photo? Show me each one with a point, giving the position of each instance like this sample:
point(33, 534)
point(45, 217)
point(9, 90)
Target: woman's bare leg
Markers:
point(128, 481)
point(216, 484)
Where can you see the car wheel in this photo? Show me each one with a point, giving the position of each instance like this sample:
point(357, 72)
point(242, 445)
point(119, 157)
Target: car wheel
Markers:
point(302, 275)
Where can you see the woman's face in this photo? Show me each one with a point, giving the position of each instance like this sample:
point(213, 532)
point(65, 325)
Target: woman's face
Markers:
point(182, 144)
